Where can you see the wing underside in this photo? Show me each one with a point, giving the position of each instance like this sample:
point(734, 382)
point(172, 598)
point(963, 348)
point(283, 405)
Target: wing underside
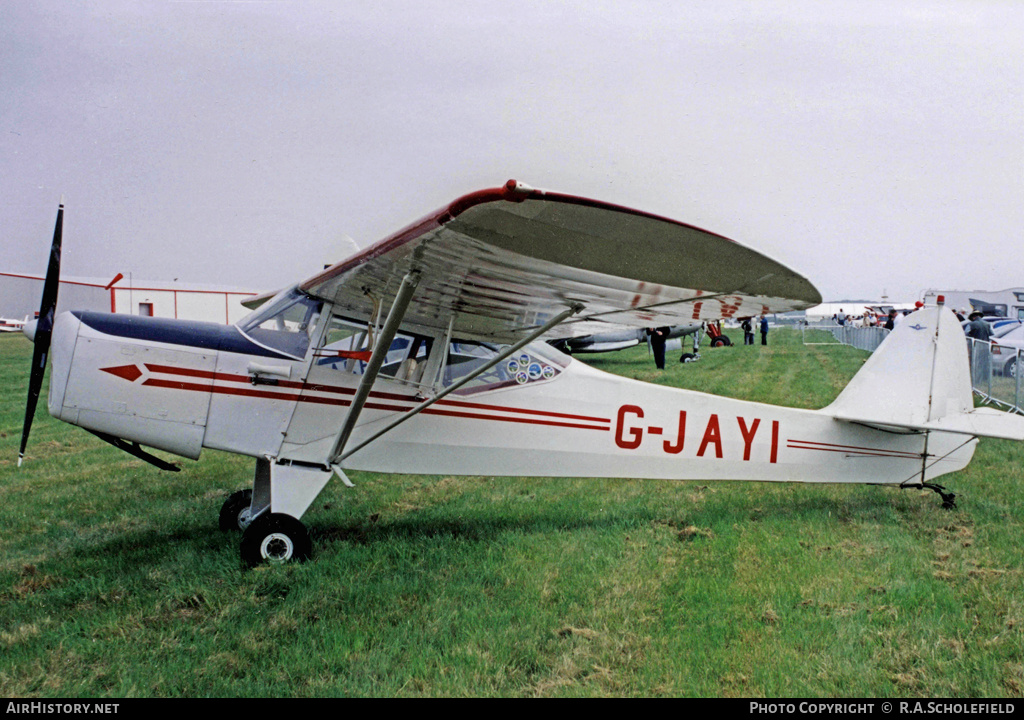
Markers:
point(498, 263)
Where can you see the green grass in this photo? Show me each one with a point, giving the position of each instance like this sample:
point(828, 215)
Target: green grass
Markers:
point(115, 582)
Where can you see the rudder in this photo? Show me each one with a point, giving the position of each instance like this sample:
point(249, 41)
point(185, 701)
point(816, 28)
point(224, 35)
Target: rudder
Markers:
point(917, 376)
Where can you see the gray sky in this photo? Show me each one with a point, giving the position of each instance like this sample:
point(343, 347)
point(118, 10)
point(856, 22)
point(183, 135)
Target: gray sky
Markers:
point(872, 146)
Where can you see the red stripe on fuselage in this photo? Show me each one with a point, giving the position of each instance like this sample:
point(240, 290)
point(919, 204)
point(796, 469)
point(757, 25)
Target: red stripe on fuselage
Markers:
point(851, 449)
point(335, 389)
point(271, 394)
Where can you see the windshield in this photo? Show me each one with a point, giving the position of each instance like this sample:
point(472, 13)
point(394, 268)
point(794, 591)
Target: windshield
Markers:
point(285, 323)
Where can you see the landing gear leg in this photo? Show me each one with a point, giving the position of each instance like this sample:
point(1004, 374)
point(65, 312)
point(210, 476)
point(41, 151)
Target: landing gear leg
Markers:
point(281, 493)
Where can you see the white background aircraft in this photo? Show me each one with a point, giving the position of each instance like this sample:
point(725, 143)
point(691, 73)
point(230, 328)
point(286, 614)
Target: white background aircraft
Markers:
point(604, 339)
point(423, 353)
point(12, 325)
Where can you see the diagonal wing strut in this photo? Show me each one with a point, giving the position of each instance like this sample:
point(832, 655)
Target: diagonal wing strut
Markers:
point(380, 351)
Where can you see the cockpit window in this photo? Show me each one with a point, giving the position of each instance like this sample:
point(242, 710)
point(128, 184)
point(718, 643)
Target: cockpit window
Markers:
point(285, 323)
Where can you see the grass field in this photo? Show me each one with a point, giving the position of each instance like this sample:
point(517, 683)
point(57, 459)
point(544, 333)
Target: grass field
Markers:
point(116, 582)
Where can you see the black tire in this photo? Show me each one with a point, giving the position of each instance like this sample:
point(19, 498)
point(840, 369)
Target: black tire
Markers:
point(1010, 369)
point(687, 357)
point(234, 513)
point(275, 539)
point(719, 341)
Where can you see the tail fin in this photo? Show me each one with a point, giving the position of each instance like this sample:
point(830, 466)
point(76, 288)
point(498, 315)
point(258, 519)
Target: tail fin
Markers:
point(919, 378)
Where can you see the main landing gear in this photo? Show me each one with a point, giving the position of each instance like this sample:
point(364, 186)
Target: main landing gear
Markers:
point(273, 538)
point(268, 514)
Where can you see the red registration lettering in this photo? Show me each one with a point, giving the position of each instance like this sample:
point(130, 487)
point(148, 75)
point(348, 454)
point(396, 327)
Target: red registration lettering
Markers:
point(678, 446)
point(748, 435)
point(712, 436)
point(635, 435)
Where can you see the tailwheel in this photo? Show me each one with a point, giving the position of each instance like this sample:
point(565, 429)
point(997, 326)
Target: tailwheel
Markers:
point(235, 513)
point(275, 539)
point(948, 498)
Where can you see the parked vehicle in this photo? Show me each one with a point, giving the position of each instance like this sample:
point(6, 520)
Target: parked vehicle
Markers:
point(996, 322)
point(1006, 348)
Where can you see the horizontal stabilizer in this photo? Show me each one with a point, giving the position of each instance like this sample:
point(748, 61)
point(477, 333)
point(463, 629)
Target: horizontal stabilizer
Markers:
point(980, 422)
point(985, 422)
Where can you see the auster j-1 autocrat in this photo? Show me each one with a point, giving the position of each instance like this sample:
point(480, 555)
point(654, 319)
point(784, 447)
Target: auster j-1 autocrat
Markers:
point(425, 353)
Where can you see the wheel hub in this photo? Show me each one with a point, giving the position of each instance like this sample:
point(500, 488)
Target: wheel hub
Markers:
point(277, 548)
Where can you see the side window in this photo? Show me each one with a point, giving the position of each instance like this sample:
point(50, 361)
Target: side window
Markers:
point(407, 358)
point(346, 348)
point(526, 366)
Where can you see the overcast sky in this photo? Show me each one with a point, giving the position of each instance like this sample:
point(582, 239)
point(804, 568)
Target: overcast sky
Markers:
point(871, 146)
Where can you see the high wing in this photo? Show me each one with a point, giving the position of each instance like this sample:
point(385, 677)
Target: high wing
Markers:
point(498, 263)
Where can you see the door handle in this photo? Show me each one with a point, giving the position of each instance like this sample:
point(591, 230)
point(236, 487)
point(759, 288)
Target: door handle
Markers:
point(259, 370)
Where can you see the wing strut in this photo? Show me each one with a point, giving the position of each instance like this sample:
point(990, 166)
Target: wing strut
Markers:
point(380, 351)
point(338, 457)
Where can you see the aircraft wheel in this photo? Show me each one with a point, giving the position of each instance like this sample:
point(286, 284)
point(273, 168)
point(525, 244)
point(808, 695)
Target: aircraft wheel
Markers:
point(688, 357)
point(275, 539)
point(720, 341)
point(234, 513)
point(1010, 370)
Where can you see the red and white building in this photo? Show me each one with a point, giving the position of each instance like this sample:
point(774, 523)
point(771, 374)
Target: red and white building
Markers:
point(20, 294)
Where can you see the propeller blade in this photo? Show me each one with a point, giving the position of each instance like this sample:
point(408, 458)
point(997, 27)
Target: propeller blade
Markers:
point(43, 331)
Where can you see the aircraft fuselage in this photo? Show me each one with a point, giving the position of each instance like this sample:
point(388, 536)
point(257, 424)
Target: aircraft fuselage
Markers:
point(181, 386)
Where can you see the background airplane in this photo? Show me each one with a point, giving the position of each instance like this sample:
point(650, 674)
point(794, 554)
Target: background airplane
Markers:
point(11, 325)
point(604, 339)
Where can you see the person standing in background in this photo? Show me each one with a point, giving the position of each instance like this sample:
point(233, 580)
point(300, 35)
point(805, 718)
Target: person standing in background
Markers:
point(658, 338)
point(748, 331)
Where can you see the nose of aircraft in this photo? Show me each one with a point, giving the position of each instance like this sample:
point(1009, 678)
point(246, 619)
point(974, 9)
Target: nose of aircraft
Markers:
point(29, 329)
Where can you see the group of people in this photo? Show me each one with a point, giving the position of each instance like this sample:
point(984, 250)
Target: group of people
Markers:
point(884, 320)
point(659, 336)
point(870, 319)
point(978, 328)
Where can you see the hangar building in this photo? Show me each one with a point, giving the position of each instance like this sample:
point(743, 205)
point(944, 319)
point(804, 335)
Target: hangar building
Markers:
point(20, 294)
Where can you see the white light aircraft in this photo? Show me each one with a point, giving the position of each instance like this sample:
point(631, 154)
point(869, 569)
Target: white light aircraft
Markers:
point(608, 340)
point(11, 325)
point(423, 354)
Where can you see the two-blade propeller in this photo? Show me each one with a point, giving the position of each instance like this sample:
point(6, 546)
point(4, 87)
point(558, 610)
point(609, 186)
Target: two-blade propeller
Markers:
point(41, 330)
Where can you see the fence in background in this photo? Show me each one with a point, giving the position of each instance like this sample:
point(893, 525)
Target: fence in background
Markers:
point(995, 372)
point(862, 338)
